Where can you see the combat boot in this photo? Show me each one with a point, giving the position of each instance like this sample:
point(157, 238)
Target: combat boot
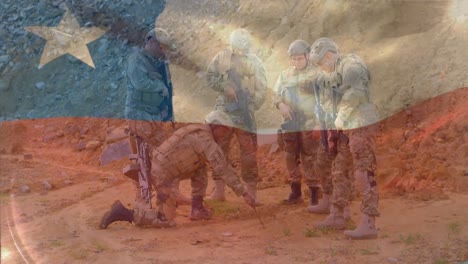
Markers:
point(198, 210)
point(295, 197)
point(323, 207)
point(313, 196)
point(252, 190)
point(118, 212)
point(334, 220)
point(365, 230)
point(218, 193)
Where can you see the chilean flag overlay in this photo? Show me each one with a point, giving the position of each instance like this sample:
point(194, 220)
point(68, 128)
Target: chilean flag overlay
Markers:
point(63, 143)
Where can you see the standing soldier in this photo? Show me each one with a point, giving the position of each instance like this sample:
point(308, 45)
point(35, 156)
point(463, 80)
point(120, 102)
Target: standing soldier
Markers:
point(354, 115)
point(240, 78)
point(184, 156)
point(149, 93)
point(294, 98)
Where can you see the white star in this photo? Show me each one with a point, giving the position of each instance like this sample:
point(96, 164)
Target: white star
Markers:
point(67, 37)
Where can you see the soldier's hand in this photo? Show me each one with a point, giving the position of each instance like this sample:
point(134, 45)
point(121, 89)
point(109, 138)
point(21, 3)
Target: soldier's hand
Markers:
point(285, 111)
point(164, 92)
point(249, 199)
point(339, 123)
point(230, 92)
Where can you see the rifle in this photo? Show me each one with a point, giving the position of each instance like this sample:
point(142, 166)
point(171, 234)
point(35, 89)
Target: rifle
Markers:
point(243, 100)
point(295, 123)
point(336, 134)
point(164, 70)
point(321, 118)
point(140, 170)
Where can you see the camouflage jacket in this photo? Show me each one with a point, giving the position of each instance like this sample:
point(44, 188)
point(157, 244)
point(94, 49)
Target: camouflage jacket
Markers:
point(144, 86)
point(295, 88)
point(188, 150)
point(351, 83)
point(251, 73)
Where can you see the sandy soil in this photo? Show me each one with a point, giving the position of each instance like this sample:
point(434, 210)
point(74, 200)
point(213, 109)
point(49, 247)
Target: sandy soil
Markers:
point(423, 199)
point(60, 227)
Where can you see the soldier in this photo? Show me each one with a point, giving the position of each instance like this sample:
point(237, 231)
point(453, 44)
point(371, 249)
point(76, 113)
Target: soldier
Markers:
point(294, 98)
point(354, 116)
point(240, 78)
point(184, 156)
point(149, 93)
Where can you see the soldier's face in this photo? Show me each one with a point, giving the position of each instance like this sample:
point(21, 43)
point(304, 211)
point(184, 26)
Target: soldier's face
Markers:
point(154, 48)
point(300, 61)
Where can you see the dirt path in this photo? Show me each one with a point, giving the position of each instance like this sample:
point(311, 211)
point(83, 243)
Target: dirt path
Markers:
point(53, 229)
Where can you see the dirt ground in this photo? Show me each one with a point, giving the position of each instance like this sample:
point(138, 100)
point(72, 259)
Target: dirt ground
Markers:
point(60, 226)
point(422, 200)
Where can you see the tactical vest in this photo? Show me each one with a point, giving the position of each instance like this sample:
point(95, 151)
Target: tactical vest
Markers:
point(147, 101)
point(245, 69)
point(356, 60)
point(176, 157)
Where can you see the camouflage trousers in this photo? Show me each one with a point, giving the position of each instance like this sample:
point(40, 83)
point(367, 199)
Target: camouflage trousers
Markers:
point(323, 169)
point(248, 152)
point(305, 148)
point(164, 180)
point(152, 132)
point(356, 161)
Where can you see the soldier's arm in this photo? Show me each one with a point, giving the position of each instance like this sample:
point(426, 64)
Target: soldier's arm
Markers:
point(260, 84)
point(213, 76)
point(142, 78)
point(355, 80)
point(205, 145)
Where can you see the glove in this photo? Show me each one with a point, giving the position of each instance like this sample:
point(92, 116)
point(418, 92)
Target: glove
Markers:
point(249, 199)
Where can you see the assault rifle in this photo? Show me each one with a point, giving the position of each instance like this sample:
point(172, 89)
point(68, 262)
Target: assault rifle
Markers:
point(321, 118)
point(140, 170)
point(295, 123)
point(166, 75)
point(243, 100)
point(336, 134)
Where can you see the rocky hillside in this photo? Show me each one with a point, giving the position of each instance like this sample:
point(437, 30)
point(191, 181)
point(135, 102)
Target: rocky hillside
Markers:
point(412, 56)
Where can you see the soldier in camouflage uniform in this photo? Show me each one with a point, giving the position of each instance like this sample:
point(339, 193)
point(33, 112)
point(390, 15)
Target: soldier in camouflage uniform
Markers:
point(348, 84)
point(239, 77)
point(184, 156)
point(149, 103)
point(294, 98)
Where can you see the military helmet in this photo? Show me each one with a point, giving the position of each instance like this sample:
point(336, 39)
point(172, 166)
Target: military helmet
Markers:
point(219, 117)
point(161, 35)
point(240, 39)
point(298, 47)
point(320, 47)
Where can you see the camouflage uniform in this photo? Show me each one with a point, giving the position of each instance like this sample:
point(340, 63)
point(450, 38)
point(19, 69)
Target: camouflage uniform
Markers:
point(359, 116)
point(145, 107)
point(294, 88)
point(251, 73)
point(184, 156)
